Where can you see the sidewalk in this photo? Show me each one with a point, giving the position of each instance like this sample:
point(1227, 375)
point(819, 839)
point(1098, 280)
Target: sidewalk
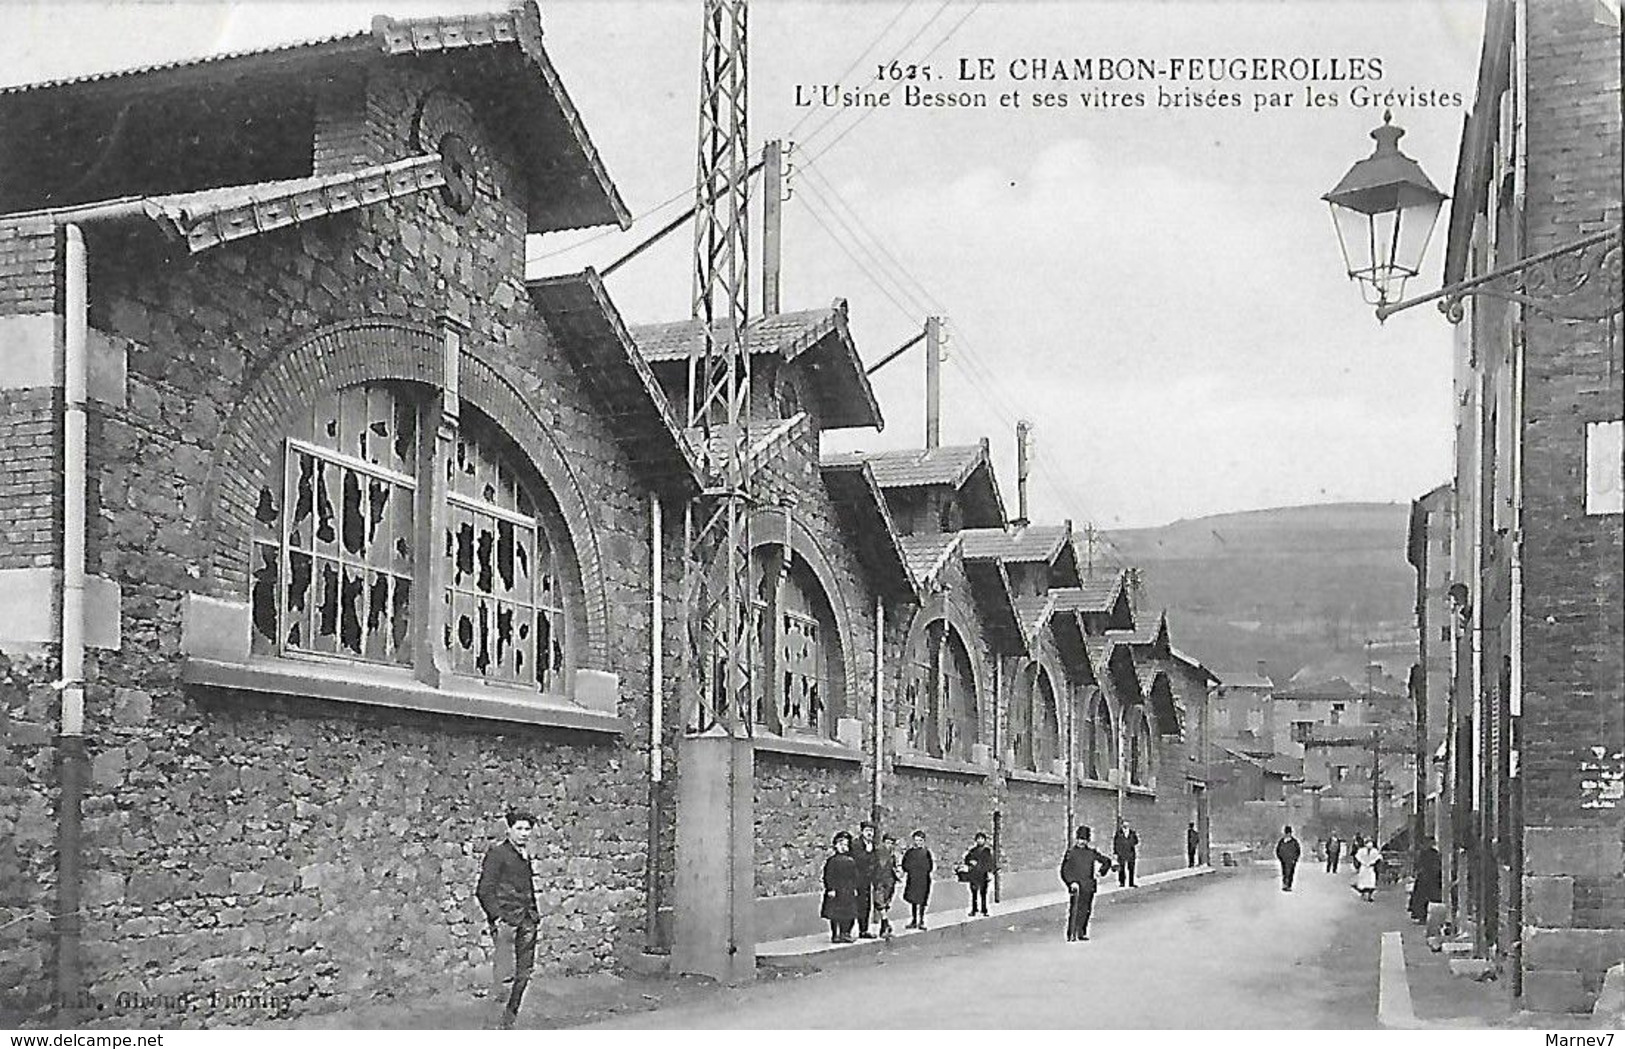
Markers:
point(1050, 906)
point(1417, 991)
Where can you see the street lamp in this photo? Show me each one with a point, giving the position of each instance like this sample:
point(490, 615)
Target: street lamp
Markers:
point(1384, 211)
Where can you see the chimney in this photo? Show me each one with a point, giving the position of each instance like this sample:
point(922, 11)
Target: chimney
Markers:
point(1264, 669)
point(1024, 433)
point(933, 381)
point(772, 223)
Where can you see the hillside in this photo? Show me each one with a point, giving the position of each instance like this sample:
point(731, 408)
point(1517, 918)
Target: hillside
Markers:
point(1296, 586)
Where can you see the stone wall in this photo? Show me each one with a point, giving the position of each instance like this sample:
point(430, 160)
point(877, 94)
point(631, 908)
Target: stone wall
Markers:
point(313, 853)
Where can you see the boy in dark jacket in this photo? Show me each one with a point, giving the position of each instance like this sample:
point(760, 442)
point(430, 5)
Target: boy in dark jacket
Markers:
point(841, 899)
point(863, 854)
point(917, 865)
point(1078, 869)
point(507, 894)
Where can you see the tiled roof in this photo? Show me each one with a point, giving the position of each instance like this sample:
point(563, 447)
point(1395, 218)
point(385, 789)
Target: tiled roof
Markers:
point(878, 545)
point(926, 554)
point(920, 467)
point(1145, 632)
point(1031, 543)
point(788, 333)
point(567, 197)
point(585, 323)
point(209, 217)
point(846, 395)
point(1032, 611)
point(1097, 593)
point(1244, 679)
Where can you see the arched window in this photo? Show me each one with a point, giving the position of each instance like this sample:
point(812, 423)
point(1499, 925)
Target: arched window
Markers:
point(337, 571)
point(1046, 748)
point(505, 617)
point(939, 695)
point(1102, 739)
point(1139, 750)
point(334, 574)
point(796, 655)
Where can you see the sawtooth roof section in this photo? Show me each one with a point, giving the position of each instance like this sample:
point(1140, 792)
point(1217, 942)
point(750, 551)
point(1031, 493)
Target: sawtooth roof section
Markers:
point(846, 399)
point(853, 488)
point(569, 194)
point(927, 555)
point(1029, 544)
point(1148, 632)
point(991, 587)
point(581, 317)
point(965, 468)
point(1034, 613)
point(1101, 598)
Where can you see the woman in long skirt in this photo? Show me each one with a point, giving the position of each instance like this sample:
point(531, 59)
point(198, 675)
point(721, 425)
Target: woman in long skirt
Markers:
point(841, 890)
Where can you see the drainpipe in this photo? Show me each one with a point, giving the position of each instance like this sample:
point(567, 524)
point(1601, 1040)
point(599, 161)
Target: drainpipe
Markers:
point(876, 795)
point(71, 754)
point(657, 703)
point(1520, 37)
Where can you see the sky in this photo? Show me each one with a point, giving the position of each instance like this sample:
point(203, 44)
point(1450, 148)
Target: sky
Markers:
point(1157, 289)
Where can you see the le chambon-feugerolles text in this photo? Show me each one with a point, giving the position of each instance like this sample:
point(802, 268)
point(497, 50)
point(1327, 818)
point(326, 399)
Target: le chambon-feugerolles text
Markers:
point(1240, 83)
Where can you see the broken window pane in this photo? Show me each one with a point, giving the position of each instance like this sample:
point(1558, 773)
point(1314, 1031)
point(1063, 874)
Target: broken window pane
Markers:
point(263, 597)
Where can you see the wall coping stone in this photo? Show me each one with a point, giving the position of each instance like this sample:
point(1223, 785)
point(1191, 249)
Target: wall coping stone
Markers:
point(805, 747)
point(926, 763)
point(383, 687)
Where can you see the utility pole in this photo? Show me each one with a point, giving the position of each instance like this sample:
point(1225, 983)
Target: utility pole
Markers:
point(1024, 436)
point(772, 223)
point(933, 381)
point(1376, 778)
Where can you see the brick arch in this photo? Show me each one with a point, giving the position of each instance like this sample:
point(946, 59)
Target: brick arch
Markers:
point(335, 356)
point(378, 349)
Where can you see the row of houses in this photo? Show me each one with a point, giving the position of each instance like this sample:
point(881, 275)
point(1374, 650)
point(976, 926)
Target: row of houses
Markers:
point(1520, 604)
point(328, 535)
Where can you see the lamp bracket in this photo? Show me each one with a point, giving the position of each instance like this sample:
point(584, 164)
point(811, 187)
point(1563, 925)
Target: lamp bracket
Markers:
point(1576, 281)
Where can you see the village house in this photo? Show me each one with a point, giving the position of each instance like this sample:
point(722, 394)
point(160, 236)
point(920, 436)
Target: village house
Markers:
point(365, 537)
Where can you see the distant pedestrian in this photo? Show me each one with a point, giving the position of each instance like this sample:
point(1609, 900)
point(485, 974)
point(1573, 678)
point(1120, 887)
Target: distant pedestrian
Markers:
point(1193, 839)
point(1429, 885)
point(1287, 851)
point(917, 866)
point(507, 894)
point(1334, 852)
point(863, 854)
point(1365, 871)
point(1126, 847)
point(1078, 869)
point(978, 868)
point(841, 890)
point(884, 885)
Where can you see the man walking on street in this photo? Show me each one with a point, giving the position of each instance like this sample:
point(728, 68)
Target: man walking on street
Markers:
point(863, 854)
point(1192, 840)
point(507, 894)
point(1287, 851)
point(1078, 868)
point(1126, 847)
point(1334, 853)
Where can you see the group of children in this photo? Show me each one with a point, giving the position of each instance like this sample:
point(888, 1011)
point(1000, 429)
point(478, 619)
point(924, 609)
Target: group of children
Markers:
point(861, 876)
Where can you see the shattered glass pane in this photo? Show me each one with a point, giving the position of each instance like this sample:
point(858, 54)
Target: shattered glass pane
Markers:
point(401, 621)
point(326, 533)
point(354, 519)
point(325, 636)
point(263, 597)
point(406, 437)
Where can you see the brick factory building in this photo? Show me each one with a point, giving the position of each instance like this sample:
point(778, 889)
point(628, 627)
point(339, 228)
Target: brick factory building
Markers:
point(367, 551)
point(1535, 774)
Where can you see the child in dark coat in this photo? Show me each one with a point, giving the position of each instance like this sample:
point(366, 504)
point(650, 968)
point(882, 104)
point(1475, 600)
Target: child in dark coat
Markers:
point(841, 891)
point(917, 865)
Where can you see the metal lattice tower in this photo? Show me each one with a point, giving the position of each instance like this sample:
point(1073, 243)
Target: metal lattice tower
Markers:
point(719, 367)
